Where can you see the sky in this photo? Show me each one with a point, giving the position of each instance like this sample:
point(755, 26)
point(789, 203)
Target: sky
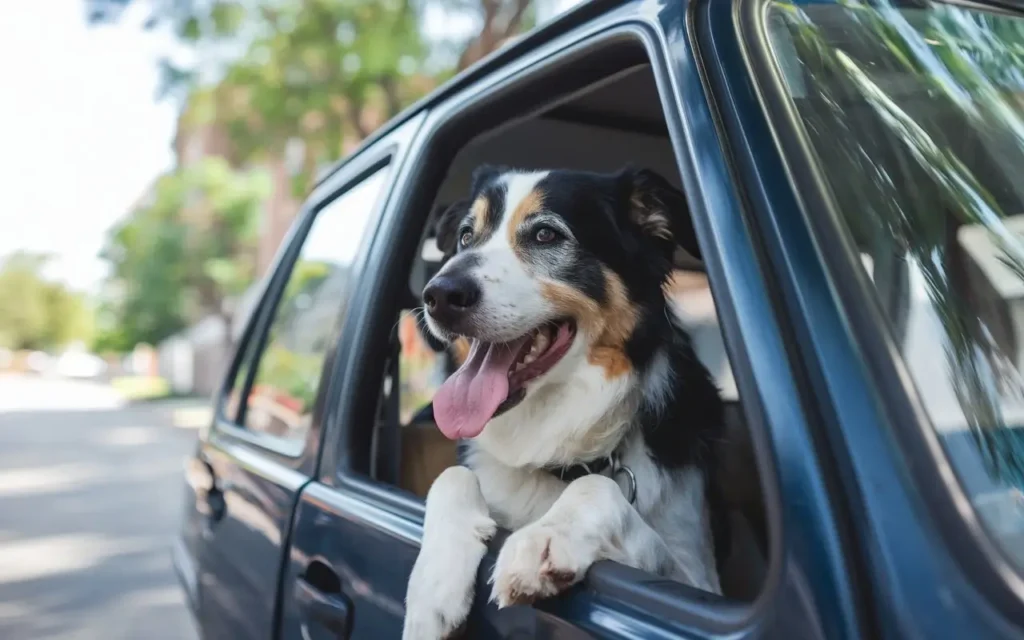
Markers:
point(81, 134)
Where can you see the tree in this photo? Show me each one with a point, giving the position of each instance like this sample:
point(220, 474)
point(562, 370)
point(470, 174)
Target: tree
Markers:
point(321, 72)
point(36, 313)
point(499, 21)
point(187, 254)
point(325, 73)
point(275, 76)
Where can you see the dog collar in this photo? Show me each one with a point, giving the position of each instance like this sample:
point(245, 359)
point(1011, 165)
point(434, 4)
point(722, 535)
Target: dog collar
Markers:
point(599, 466)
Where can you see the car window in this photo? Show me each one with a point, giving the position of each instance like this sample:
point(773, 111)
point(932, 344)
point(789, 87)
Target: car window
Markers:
point(916, 116)
point(288, 372)
point(422, 370)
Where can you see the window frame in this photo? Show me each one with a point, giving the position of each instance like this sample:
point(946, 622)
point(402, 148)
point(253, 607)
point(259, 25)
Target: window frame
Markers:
point(924, 459)
point(291, 452)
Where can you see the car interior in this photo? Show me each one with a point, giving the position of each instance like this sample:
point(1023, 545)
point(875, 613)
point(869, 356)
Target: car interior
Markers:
point(615, 122)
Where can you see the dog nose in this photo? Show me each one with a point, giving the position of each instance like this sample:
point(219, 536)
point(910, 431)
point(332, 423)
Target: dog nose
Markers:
point(448, 298)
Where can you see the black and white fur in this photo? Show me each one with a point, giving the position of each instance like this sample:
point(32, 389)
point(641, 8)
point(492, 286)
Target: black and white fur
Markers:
point(655, 408)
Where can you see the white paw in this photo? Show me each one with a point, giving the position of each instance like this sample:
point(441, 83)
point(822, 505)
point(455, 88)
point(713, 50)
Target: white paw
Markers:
point(536, 562)
point(436, 606)
point(455, 536)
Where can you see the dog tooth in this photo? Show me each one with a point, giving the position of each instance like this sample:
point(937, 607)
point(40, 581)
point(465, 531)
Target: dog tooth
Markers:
point(542, 342)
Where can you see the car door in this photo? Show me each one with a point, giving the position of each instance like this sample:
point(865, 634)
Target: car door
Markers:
point(262, 448)
point(355, 537)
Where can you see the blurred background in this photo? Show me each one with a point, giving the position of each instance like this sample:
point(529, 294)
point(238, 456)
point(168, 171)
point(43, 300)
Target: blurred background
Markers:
point(154, 155)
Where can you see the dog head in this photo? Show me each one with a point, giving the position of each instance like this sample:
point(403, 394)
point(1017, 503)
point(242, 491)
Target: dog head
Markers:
point(556, 279)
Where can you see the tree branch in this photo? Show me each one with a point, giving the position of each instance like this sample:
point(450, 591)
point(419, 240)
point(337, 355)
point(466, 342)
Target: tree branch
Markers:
point(355, 114)
point(491, 33)
point(390, 87)
point(516, 20)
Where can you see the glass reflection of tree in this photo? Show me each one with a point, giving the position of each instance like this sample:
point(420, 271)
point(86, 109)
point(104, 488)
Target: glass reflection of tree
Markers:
point(291, 373)
point(959, 61)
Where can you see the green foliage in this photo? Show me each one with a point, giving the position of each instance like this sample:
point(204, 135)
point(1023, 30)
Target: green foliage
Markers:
point(313, 77)
point(292, 374)
point(285, 369)
point(321, 72)
point(184, 254)
point(318, 71)
point(36, 313)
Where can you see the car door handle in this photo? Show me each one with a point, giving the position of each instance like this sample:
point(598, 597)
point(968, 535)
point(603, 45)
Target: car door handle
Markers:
point(331, 610)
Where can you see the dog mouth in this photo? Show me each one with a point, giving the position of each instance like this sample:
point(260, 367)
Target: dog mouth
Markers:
point(494, 376)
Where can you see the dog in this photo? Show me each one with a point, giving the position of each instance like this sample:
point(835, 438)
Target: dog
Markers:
point(587, 425)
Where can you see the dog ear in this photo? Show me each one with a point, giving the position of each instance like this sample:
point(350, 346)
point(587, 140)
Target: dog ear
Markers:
point(661, 212)
point(447, 226)
point(484, 174)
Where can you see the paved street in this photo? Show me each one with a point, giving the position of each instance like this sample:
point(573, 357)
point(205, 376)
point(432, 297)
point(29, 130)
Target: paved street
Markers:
point(90, 496)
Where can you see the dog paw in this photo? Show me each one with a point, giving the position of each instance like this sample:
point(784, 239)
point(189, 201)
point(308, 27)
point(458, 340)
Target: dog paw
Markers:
point(426, 622)
point(441, 589)
point(537, 562)
point(442, 582)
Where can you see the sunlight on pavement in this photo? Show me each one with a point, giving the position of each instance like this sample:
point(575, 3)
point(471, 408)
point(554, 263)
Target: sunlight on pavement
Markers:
point(47, 479)
point(28, 393)
point(129, 436)
point(34, 559)
point(90, 499)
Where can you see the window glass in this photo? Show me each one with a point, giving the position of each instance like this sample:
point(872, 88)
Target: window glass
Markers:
point(422, 370)
point(280, 402)
point(916, 115)
point(696, 307)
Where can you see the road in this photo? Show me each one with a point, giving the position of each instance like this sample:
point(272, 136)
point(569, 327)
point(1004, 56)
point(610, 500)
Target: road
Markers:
point(90, 496)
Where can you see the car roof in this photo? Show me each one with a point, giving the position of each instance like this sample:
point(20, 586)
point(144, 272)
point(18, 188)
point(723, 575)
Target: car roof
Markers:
point(565, 22)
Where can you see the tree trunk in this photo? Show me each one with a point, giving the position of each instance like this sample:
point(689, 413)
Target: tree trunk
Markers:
point(493, 34)
point(355, 115)
point(394, 101)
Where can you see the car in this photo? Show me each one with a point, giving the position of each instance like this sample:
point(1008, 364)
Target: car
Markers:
point(852, 174)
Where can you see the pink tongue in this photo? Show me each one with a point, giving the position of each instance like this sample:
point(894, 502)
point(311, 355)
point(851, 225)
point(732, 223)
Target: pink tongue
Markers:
point(469, 397)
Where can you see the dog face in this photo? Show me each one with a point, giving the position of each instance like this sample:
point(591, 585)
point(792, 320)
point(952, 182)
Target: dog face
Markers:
point(554, 278)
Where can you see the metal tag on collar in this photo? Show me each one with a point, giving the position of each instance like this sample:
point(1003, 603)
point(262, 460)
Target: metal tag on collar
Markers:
point(617, 468)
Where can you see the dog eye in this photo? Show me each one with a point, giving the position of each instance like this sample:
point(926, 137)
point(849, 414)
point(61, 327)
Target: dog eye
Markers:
point(545, 235)
point(466, 238)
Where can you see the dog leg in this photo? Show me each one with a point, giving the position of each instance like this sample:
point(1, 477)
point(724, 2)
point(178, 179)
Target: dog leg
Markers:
point(456, 529)
point(590, 521)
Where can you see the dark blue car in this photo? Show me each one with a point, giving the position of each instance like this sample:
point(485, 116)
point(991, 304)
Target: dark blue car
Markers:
point(855, 173)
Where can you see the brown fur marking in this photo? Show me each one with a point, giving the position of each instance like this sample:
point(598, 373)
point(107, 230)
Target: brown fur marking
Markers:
point(610, 326)
point(532, 203)
point(481, 207)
